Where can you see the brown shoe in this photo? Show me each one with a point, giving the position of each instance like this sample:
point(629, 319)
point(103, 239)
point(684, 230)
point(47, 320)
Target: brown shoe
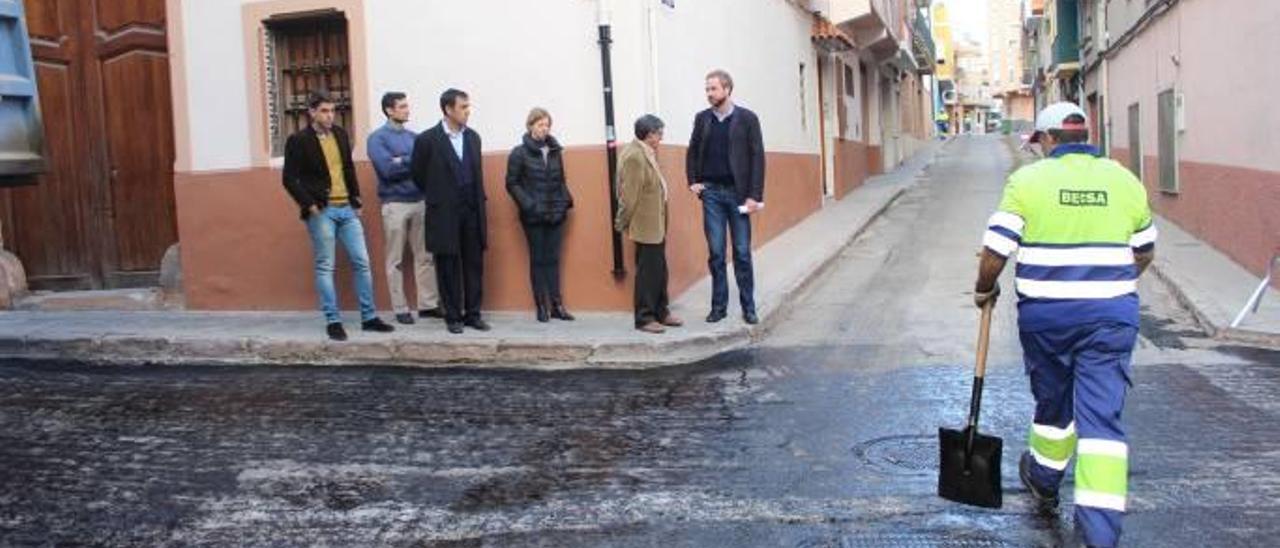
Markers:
point(672, 321)
point(653, 327)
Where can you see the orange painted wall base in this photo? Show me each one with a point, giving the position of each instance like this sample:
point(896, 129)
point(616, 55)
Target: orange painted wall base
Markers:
point(853, 162)
point(244, 248)
point(1233, 209)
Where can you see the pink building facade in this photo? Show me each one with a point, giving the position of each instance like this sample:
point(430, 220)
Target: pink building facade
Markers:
point(1190, 109)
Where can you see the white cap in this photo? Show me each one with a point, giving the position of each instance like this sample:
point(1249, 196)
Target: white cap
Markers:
point(1054, 117)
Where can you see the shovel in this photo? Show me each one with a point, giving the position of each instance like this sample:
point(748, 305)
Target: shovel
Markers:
point(970, 462)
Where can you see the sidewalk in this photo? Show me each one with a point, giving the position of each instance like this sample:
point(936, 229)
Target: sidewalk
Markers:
point(1214, 288)
point(602, 340)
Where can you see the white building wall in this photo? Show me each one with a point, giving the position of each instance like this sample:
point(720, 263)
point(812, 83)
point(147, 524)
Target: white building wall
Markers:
point(216, 103)
point(508, 55)
point(761, 43)
point(511, 55)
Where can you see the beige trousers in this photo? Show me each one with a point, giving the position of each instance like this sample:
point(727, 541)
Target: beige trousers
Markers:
point(401, 223)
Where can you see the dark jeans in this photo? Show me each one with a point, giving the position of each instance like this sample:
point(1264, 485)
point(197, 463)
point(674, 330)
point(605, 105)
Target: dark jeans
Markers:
point(544, 259)
point(719, 208)
point(461, 276)
point(651, 283)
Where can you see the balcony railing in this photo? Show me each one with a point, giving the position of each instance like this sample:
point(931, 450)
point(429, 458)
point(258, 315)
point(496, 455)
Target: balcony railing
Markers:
point(922, 45)
point(1066, 43)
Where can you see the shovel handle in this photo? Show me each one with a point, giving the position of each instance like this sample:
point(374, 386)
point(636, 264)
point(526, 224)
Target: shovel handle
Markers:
point(984, 339)
point(980, 372)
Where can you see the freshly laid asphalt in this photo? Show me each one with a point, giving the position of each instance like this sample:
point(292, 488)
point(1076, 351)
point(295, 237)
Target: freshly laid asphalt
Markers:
point(823, 434)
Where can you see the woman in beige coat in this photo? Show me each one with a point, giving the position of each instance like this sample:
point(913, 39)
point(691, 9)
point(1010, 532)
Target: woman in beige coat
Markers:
point(642, 217)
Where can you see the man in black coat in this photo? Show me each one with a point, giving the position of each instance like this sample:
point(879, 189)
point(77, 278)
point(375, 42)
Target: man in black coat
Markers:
point(446, 167)
point(725, 167)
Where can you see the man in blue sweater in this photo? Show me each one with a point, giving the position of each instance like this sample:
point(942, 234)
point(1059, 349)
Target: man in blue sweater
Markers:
point(403, 210)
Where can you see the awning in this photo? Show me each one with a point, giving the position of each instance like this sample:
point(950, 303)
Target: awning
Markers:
point(829, 38)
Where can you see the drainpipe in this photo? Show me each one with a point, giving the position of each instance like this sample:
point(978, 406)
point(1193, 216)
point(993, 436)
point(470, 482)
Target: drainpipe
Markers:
point(610, 131)
point(1105, 35)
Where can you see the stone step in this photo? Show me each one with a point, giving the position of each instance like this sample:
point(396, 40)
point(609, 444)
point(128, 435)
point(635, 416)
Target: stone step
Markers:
point(147, 298)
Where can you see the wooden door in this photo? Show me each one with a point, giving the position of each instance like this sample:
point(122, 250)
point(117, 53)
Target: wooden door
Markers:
point(48, 225)
point(103, 214)
point(130, 52)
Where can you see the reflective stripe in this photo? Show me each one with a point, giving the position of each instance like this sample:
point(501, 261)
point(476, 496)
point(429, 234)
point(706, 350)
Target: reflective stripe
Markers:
point(1006, 233)
point(1144, 238)
point(1105, 448)
point(1078, 273)
point(1047, 462)
point(1094, 499)
point(1076, 256)
point(1009, 221)
point(1102, 474)
point(1103, 469)
point(1051, 446)
point(1038, 289)
point(999, 243)
point(1053, 433)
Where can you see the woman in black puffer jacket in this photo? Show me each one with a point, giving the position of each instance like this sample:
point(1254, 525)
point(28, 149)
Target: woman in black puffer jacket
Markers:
point(535, 180)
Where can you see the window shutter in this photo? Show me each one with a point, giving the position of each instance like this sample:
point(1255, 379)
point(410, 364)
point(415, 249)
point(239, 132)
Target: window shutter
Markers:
point(21, 130)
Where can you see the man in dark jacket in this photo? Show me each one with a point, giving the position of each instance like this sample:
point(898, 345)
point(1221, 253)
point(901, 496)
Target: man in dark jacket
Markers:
point(321, 178)
point(725, 167)
point(446, 167)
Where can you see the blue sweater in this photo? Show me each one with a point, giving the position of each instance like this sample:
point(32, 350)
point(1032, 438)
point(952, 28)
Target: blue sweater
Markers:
point(395, 181)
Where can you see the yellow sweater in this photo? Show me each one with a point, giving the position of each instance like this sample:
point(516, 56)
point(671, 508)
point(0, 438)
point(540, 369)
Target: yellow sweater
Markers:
point(333, 157)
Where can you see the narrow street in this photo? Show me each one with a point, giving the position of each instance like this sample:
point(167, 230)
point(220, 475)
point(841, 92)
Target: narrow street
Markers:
point(822, 435)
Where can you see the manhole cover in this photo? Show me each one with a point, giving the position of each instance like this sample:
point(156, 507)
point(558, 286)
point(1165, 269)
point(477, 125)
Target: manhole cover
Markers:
point(904, 540)
point(902, 454)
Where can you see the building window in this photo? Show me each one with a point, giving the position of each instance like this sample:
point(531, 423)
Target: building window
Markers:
point(1135, 140)
point(1167, 147)
point(305, 53)
point(849, 82)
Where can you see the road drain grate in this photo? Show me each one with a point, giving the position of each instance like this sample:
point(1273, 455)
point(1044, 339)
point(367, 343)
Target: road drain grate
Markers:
point(903, 540)
point(901, 454)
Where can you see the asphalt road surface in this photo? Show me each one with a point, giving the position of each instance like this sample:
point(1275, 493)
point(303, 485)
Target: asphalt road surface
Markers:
point(824, 435)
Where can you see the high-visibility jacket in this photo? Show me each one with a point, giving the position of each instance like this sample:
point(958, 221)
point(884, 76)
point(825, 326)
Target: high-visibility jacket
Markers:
point(1075, 221)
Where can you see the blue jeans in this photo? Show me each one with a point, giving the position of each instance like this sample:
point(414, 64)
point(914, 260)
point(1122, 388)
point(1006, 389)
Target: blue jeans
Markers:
point(720, 208)
point(340, 224)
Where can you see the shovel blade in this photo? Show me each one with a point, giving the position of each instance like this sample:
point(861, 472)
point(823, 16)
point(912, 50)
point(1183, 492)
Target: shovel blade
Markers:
point(974, 480)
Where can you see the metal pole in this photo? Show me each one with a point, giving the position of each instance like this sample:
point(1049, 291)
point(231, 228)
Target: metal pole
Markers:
point(1255, 300)
point(611, 140)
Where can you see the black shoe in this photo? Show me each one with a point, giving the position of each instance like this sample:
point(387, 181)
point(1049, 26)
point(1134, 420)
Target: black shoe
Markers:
point(715, 316)
point(558, 312)
point(1045, 498)
point(543, 314)
point(751, 318)
point(436, 313)
point(477, 324)
point(336, 332)
point(376, 325)
point(405, 318)
point(455, 327)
